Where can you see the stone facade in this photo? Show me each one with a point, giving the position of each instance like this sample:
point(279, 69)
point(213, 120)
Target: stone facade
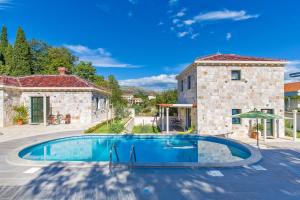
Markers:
point(260, 87)
point(1, 108)
point(187, 96)
point(11, 99)
point(84, 106)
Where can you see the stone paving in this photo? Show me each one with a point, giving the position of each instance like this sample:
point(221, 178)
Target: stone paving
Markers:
point(277, 176)
point(16, 132)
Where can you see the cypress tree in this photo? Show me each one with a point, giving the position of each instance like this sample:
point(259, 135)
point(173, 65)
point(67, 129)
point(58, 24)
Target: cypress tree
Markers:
point(9, 62)
point(21, 55)
point(3, 40)
point(3, 44)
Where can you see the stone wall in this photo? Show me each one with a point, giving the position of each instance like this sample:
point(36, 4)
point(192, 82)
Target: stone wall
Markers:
point(11, 98)
point(77, 104)
point(1, 108)
point(100, 112)
point(188, 96)
point(261, 87)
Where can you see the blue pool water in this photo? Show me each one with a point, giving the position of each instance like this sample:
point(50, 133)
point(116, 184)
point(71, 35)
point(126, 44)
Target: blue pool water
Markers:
point(165, 149)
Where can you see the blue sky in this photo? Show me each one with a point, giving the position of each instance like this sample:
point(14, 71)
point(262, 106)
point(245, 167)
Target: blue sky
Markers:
point(147, 42)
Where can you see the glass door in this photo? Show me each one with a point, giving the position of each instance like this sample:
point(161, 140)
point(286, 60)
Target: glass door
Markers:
point(188, 118)
point(269, 122)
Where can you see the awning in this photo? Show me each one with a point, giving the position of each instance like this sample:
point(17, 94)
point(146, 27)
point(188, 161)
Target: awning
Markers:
point(178, 105)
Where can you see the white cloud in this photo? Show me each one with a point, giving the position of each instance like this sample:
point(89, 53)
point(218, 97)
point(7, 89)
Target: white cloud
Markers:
point(182, 34)
point(228, 36)
point(173, 2)
point(159, 82)
point(221, 15)
point(99, 57)
point(291, 67)
point(175, 21)
point(194, 36)
point(5, 4)
point(181, 13)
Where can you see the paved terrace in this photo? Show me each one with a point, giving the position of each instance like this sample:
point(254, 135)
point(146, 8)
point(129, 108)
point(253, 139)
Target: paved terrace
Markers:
point(277, 176)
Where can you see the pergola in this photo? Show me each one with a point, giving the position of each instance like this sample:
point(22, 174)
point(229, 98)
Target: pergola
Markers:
point(164, 113)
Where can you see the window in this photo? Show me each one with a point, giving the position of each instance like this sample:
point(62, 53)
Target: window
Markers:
point(181, 85)
point(189, 82)
point(97, 103)
point(236, 75)
point(236, 120)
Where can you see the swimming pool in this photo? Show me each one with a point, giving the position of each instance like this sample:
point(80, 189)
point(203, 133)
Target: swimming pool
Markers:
point(148, 149)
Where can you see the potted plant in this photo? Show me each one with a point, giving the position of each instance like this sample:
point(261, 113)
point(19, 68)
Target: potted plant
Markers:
point(21, 114)
point(254, 132)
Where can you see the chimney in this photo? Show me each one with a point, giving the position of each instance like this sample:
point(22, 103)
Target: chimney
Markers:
point(62, 71)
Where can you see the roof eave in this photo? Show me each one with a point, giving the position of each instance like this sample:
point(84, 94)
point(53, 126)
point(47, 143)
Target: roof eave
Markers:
point(281, 62)
point(56, 88)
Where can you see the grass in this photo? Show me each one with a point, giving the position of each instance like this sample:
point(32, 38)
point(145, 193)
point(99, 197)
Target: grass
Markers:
point(105, 127)
point(145, 129)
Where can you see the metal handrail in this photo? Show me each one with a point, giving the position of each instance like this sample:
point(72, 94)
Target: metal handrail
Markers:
point(113, 148)
point(132, 154)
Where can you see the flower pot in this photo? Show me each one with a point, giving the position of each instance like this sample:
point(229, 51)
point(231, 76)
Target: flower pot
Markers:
point(20, 122)
point(254, 135)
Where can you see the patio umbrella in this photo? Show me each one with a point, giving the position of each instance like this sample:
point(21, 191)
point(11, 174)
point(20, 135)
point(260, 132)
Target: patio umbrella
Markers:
point(255, 114)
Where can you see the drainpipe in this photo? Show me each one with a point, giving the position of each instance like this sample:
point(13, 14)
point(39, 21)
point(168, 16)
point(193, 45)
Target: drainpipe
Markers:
point(265, 127)
point(163, 119)
point(294, 125)
point(45, 109)
point(167, 120)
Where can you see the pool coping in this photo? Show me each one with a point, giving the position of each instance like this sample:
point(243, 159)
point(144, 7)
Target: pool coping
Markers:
point(14, 159)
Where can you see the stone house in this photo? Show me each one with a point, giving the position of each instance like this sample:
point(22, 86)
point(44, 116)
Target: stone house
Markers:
point(53, 95)
point(213, 88)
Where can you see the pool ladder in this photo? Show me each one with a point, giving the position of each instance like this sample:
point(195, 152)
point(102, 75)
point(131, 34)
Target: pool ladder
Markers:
point(132, 157)
point(113, 148)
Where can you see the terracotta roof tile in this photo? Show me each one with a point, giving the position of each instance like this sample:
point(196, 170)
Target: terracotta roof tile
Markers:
point(10, 81)
point(55, 81)
point(233, 57)
point(292, 87)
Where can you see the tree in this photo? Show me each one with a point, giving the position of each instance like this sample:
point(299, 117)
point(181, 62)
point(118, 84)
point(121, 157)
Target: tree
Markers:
point(21, 55)
point(9, 62)
point(100, 81)
point(169, 97)
point(116, 92)
point(39, 56)
point(59, 57)
point(85, 70)
point(3, 44)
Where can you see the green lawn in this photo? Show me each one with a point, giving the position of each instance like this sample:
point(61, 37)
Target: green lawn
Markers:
point(145, 129)
point(111, 127)
point(103, 129)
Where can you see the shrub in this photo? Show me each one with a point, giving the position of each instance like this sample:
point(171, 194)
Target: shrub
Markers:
point(116, 127)
point(92, 129)
point(21, 113)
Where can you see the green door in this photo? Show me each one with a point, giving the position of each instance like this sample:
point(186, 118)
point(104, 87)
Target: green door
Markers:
point(269, 122)
point(37, 110)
